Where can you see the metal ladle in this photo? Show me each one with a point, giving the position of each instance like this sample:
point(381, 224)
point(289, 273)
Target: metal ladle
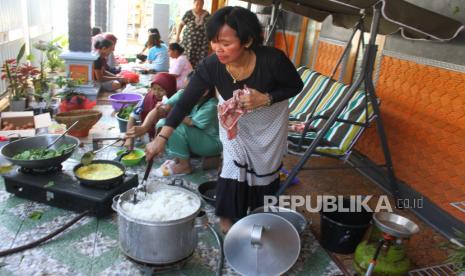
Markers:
point(87, 157)
point(62, 135)
point(141, 186)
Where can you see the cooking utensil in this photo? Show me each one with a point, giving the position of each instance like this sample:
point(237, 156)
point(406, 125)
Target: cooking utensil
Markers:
point(141, 186)
point(87, 157)
point(128, 151)
point(105, 183)
point(208, 191)
point(41, 141)
point(294, 217)
point(156, 242)
point(395, 225)
point(62, 135)
point(262, 244)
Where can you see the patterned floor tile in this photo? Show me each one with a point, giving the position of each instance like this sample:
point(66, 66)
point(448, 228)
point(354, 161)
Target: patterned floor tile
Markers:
point(122, 267)
point(23, 211)
point(4, 196)
point(95, 245)
point(36, 262)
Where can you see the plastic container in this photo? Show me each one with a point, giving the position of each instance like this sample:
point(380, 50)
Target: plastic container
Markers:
point(127, 160)
point(341, 232)
point(123, 124)
point(119, 100)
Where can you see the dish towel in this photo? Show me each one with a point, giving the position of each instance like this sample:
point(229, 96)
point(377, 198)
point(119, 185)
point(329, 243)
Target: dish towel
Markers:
point(230, 111)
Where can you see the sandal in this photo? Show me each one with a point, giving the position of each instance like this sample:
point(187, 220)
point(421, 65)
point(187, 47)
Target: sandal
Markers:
point(166, 169)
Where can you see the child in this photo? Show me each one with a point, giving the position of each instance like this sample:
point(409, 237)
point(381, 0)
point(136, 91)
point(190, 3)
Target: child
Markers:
point(179, 64)
point(150, 110)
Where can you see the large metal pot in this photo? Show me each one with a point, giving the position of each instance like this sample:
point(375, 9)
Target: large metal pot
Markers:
point(156, 242)
point(41, 141)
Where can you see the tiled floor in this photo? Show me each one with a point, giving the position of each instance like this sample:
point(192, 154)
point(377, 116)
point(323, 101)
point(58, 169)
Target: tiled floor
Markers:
point(424, 249)
point(90, 247)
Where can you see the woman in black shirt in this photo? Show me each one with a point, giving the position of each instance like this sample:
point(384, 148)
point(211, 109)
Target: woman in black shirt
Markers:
point(251, 160)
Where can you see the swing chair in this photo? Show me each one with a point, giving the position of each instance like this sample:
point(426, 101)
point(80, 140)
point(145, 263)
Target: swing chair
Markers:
point(380, 16)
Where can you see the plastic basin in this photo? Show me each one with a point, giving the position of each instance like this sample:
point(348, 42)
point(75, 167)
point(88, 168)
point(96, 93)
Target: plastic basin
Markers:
point(120, 100)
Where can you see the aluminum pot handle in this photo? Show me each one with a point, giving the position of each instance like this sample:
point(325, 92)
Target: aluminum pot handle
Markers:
point(256, 235)
point(114, 205)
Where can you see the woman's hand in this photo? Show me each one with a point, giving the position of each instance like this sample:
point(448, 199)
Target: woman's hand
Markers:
point(129, 143)
point(136, 131)
point(253, 100)
point(155, 148)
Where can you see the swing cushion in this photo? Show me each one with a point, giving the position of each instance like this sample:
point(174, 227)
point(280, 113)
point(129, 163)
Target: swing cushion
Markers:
point(342, 135)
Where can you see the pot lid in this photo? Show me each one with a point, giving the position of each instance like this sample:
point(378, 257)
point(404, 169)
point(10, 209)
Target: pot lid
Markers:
point(395, 225)
point(262, 244)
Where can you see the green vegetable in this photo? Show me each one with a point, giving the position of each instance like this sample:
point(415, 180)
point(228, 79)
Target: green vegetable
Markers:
point(43, 153)
point(49, 184)
point(125, 112)
point(36, 215)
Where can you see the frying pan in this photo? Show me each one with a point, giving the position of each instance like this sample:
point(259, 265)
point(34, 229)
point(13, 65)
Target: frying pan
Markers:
point(41, 141)
point(208, 191)
point(105, 183)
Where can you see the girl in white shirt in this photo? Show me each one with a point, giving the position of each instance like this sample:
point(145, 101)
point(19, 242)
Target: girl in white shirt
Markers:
point(180, 66)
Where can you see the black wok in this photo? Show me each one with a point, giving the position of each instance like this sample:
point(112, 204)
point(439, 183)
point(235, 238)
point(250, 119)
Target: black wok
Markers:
point(105, 183)
point(208, 191)
point(41, 141)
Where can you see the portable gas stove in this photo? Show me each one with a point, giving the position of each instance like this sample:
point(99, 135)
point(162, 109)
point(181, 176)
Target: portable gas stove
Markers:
point(58, 187)
point(151, 269)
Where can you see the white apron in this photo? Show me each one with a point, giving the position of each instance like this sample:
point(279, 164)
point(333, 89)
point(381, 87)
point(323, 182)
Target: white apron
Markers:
point(259, 146)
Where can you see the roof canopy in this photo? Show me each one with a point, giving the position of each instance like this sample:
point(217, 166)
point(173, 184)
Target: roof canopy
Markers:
point(397, 15)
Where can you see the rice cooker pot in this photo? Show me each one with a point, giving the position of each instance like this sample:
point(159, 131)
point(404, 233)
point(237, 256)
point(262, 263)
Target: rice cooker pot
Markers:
point(155, 242)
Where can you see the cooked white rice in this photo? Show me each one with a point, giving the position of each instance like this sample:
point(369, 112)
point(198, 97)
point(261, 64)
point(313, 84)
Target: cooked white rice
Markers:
point(163, 205)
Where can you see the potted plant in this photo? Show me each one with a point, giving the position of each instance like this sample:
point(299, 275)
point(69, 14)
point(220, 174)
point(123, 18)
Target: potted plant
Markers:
point(43, 92)
point(52, 51)
point(457, 258)
point(18, 76)
point(70, 98)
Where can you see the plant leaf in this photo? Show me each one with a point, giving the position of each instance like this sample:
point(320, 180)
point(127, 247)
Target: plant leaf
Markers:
point(36, 215)
point(49, 184)
point(21, 53)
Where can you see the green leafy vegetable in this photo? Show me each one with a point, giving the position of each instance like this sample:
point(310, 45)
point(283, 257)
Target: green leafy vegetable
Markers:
point(125, 112)
point(36, 215)
point(43, 153)
point(49, 184)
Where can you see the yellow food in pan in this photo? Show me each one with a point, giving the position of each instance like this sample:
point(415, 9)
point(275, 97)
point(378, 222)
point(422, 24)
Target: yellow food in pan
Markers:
point(98, 172)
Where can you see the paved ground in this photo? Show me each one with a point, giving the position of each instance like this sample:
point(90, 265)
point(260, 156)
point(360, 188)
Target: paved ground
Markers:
point(91, 246)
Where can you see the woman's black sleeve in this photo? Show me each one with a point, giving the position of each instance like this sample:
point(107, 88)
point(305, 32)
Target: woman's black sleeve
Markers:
point(199, 82)
point(289, 81)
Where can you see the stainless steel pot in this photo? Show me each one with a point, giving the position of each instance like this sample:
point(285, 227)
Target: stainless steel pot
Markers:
point(156, 242)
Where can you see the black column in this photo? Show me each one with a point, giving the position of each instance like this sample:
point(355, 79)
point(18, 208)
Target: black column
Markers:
point(79, 25)
point(100, 13)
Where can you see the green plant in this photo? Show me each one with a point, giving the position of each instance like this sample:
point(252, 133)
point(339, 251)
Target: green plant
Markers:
point(52, 50)
point(457, 258)
point(18, 75)
point(125, 112)
point(68, 92)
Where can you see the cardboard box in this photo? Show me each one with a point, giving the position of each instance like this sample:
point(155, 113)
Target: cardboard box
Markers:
point(20, 119)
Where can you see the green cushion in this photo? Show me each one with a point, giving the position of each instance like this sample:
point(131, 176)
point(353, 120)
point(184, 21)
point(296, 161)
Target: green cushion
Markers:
point(341, 136)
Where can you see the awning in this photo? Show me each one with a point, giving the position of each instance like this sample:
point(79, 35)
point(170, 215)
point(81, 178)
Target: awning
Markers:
point(397, 15)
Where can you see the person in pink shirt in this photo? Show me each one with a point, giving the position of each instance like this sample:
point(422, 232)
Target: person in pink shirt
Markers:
point(180, 66)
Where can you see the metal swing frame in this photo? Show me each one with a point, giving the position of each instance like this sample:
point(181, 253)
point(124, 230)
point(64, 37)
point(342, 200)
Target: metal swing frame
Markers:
point(365, 77)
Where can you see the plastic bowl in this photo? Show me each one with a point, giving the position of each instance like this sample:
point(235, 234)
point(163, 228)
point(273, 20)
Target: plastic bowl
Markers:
point(133, 158)
point(119, 100)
